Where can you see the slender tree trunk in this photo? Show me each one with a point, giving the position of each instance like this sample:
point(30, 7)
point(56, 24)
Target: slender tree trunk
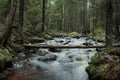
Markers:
point(43, 16)
point(117, 32)
point(61, 20)
point(8, 7)
point(21, 19)
point(109, 24)
point(8, 32)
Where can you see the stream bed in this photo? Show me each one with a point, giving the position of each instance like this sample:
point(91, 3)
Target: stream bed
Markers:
point(60, 64)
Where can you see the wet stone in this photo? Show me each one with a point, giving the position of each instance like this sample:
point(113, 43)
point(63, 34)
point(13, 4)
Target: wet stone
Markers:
point(65, 59)
point(60, 41)
point(87, 44)
point(76, 57)
point(67, 42)
point(100, 49)
point(54, 50)
point(89, 51)
point(42, 52)
point(48, 57)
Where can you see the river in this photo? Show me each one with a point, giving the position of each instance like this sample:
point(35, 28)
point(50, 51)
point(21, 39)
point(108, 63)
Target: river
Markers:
point(60, 64)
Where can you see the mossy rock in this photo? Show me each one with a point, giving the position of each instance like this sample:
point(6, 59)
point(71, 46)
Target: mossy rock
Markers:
point(5, 57)
point(99, 38)
point(97, 59)
point(74, 35)
point(60, 34)
point(9, 49)
point(42, 52)
point(36, 40)
point(48, 37)
point(92, 70)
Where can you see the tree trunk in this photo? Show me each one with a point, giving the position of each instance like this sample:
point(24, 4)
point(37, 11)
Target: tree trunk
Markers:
point(21, 19)
point(43, 16)
point(109, 24)
point(8, 32)
point(8, 7)
point(117, 32)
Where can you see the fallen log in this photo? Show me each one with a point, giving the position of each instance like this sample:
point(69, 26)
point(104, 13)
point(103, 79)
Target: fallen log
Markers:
point(51, 46)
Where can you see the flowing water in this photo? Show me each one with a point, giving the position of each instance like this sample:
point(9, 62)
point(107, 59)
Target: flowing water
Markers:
point(62, 64)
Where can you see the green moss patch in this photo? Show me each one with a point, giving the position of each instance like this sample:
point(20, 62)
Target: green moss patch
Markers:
point(74, 35)
point(5, 57)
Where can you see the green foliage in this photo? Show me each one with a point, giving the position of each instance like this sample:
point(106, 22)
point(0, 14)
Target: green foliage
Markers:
point(3, 11)
point(33, 12)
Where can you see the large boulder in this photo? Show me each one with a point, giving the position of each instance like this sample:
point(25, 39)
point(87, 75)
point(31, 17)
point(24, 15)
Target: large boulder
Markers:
point(5, 58)
point(74, 35)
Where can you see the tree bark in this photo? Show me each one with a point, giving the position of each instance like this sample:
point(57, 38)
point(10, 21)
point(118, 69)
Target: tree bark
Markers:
point(8, 32)
point(109, 24)
point(43, 16)
point(117, 32)
point(21, 19)
point(8, 7)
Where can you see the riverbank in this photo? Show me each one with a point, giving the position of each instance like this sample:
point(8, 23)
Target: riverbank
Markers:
point(105, 66)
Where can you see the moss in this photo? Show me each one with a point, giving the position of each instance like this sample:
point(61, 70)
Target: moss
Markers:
point(100, 38)
point(5, 58)
point(8, 54)
point(92, 70)
point(74, 35)
point(9, 49)
point(48, 37)
point(36, 40)
point(97, 65)
point(2, 56)
point(97, 59)
point(5, 55)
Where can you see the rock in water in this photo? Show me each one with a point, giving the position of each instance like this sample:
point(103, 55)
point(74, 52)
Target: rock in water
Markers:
point(88, 44)
point(64, 59)
point(54, 50)
point(42, 52)
point(48, 57)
